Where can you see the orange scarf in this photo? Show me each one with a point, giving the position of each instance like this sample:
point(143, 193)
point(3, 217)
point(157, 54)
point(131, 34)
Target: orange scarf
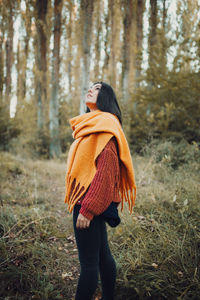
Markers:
point(92, 131)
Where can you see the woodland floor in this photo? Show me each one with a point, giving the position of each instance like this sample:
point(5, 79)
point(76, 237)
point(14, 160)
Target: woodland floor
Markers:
point(39, 258)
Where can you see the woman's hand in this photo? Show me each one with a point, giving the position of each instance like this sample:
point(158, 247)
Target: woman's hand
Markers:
point(82, 222)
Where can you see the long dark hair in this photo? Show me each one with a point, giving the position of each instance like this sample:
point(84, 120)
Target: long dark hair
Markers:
point(107, 100)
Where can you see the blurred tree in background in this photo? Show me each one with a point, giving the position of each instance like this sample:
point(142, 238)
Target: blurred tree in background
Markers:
point(52, 50)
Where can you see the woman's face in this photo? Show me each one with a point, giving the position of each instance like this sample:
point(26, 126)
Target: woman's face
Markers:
point(91, 96)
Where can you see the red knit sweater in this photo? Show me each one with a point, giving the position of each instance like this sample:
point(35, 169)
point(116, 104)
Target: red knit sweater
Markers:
point(104, 187)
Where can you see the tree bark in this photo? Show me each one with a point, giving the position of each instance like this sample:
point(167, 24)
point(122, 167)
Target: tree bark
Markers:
point(9, 55)
point(152, 33)
point(98, 40)
point(86, 25)
point(27, 21)
point(106, 46)
point(126, 50)
point(139, 39)
point(112, 7)
point(55, 147)
point(2, 32)
point(70, 53)
point(41, 60)
point(163, 41)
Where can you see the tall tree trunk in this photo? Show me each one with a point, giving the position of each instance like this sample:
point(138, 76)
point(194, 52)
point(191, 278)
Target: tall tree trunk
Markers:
point(86, 26)
point(153, 33)
point(55, 148)
point(9, 54)
point(19, 77)
point(139, 39)
point(27, 21)
point(69, 52)
point(112, 75)
point(126, 50)
point(106, 46)
point(2, 30)
point(163, 54)
point(41, 60)
point(98, 40)
point(152, 42)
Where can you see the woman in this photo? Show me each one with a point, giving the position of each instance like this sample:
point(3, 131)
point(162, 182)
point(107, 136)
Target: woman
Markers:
point(99, 173)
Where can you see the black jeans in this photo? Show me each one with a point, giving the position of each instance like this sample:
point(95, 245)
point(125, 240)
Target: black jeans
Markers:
point(95, 257)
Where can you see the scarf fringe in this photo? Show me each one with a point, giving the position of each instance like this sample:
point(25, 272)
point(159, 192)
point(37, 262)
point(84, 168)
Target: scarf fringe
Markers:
point(128, 195)
point(74, 192)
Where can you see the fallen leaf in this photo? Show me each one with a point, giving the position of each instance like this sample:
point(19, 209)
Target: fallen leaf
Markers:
point(64, 275)
point(180, 274)
point(154, 265)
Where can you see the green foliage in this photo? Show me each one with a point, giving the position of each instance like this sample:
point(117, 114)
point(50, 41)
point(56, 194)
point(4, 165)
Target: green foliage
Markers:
point(169, 109)
point(34, 143)
point(9, 128)
point(174, 154)
point(157, 249)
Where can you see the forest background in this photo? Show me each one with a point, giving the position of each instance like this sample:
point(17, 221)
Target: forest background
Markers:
point(50, 53)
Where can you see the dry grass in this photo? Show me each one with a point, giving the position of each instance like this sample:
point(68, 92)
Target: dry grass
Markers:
point(156, 249)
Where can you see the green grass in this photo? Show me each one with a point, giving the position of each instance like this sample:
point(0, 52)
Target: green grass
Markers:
point(157, 248)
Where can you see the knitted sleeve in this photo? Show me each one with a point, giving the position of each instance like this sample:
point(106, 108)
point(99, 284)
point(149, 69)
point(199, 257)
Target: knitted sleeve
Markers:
point(102, 190)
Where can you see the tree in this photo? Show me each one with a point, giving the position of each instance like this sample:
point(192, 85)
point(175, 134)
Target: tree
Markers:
point(128, 15)
point(27, 19)
point(86, 12)
point(114, 12)
point(9, 52)
point(41, 60)
point(55, 148)
point(2, 54)
point(69, 49)
point(106, 44)
point(152, 39)
point(98, 36)
point(139, 40)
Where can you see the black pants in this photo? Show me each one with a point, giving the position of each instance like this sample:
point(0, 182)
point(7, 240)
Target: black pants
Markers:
point(95, 257)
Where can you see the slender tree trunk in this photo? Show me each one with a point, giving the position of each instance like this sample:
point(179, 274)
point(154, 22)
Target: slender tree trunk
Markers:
point(98, 40)
point(86, 24)
point(139, 39)
point(27, 22)
point(1, 62)
point(112, 8)
point(55, 148)
point(163, 58)
point(9, 55)
point(152, 33)
point(126, 50)
point(106, 46)
point(41, 60)
point(18, 74)
point(152, 42)
point(69, 52)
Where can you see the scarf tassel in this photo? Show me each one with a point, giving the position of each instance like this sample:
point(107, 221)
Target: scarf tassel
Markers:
point(128, 195)
point(74, 192)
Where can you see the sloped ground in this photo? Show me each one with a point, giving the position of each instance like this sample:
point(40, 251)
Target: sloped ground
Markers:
point(156, 249)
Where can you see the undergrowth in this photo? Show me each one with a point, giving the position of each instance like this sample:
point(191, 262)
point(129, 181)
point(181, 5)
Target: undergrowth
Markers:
point(156, 248)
